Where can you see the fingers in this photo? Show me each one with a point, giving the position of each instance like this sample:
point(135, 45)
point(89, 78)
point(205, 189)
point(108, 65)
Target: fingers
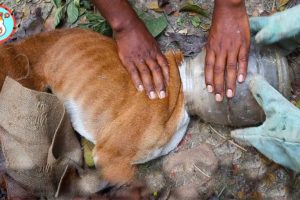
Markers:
point(242, 63)
point(215, 67)
point(146, 77)
point(218, 71)
point(135, 77)
point(150, 75)
point(157, 77)
point(162, 61)
point(258, 23)
point(231, 74)
point(153, 74)
point(209, 70)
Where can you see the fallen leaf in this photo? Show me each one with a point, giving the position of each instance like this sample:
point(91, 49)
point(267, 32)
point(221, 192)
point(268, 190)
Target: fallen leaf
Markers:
point(196, 21)
point(87, 152)
point(180, 21)
point(270, 178)
point(187, 7)
point(282, 2)
point(240, 195)
point(205, 27)
point(156, 25)
point(298, 104)
point(153, 5)
point(188, 44)
point(183, 31)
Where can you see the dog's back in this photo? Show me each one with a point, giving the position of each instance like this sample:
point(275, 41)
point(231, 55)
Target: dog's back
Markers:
point(83, 69)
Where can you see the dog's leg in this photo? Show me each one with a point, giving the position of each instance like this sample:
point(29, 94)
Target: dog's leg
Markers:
point(114, 151)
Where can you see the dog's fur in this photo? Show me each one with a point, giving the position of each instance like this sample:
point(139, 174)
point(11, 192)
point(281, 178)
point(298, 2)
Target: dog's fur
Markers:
point(83, 69)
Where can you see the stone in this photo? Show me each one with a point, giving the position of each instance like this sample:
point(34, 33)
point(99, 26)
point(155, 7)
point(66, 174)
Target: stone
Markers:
point(197, 163)
point(188, 192)
point(155, 181)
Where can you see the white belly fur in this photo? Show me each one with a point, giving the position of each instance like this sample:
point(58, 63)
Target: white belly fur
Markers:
point(75, 114)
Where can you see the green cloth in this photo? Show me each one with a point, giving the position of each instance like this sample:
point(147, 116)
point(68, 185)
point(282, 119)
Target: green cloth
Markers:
point(278, 137)
point(282, 28)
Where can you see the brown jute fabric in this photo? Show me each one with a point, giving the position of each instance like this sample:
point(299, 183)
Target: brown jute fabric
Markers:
point(41, 150)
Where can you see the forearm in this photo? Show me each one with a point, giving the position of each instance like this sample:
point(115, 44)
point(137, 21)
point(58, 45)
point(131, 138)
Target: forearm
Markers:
point(233, 8)
point(231, 3)
point(118, 13)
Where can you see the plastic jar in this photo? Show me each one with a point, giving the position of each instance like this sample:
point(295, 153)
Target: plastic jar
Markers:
point(242, 110)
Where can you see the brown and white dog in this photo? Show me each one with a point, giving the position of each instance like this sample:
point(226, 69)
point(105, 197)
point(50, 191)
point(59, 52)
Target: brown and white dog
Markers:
point(83, 69)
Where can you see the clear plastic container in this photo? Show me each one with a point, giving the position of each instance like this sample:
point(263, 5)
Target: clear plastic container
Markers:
point(242, 110)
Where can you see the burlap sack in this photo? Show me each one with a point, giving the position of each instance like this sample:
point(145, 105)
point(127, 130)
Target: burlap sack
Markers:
point(40, 148)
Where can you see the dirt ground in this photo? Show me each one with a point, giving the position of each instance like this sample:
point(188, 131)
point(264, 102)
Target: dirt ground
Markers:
point(207, 164)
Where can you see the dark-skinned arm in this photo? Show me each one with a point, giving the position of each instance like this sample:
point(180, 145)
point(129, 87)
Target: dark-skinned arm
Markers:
point(227, 48)
point(137, 49)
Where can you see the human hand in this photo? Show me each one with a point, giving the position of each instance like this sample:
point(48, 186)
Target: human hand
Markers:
point(137, 49)
point(282, 26)
point(227, 48)
point(278, 137)
point(143, 60)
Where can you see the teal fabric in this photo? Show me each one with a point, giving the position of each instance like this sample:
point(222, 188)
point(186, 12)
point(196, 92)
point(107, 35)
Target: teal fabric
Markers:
point(282, 28)
point(278, 137)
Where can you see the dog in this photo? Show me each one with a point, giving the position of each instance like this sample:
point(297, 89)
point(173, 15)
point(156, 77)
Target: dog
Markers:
point(83, 70)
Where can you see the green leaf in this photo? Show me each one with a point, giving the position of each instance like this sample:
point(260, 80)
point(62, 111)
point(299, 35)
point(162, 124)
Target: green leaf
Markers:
point(194, 8)
point(180, 21)
point(72, 12)
point(156, 25)
point(196, 21)
point(97, 23)
point(57, 3)
point(77, 3)
point(58, 15)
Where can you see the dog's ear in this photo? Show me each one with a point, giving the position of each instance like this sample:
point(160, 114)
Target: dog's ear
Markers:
point(177, 55)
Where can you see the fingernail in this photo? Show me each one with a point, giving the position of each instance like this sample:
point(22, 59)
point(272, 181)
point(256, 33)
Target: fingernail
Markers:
point(162, 94)
point(152, 95)
point(140, 88)
point(209, 88)
point(241, 78)
point(219, 97)
point(229, 93)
